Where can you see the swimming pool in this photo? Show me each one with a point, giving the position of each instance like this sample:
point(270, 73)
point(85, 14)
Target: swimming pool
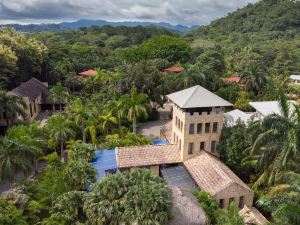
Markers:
point(106, 161)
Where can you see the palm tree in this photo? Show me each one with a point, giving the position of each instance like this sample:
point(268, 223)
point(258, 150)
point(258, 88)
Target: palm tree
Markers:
point(81, 114)
point(136, 105)
point(59, 128)
point(283, 200)
point(15, 156)
point(253, 77)
point(117, 108)
point(11, 107)
point(106, 120)
point(32, 136)
point(58, 94)
point(277, 145)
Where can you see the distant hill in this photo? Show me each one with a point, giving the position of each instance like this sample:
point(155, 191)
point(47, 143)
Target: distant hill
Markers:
point(265, 15)
point(88, 23)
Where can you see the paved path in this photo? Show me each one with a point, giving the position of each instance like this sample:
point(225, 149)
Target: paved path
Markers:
point(151, 129)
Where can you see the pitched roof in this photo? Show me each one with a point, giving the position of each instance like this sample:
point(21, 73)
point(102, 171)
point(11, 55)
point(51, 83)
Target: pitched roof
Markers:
point(88, 73)
point(31, 89)
point(147, 155)
point(166, 131)
point(174, 69)
point(253, 216)
point(197, 97)
point(211, 174)
point(268, 107)
point(185, 208)
point(232, 79)
point(295, 77)
point(233, 116)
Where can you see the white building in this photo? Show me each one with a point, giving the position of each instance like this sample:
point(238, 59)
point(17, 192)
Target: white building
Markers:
point(267, 108)
point(295, 79)
point(232, 117)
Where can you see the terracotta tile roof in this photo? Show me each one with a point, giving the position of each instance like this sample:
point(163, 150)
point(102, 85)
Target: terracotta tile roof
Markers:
point(31, 89)
point(174, 69)
point(88, 73)
point(147, 155)
point(211, 174)
point(166, 131)
point(232, 79)
point(253, 216)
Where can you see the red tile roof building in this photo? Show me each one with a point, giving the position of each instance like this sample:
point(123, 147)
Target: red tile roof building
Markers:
point(232, 79)
point(174, 69)
point(88, 73)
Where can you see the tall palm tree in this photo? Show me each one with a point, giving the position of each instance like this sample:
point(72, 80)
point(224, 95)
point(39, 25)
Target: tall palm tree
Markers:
point(59, 128)
point(117, 109)
point(15, 156)
point(58, 94)
point(32, 136)
point(277, 146)
point(253, 77)
point(135, 105)
point(11, 107)
point(81, 113)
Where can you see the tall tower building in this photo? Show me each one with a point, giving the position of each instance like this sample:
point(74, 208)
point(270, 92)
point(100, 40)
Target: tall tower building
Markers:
point(198, 116)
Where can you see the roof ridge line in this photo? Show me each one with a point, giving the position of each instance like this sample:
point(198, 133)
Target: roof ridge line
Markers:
point(197, 86)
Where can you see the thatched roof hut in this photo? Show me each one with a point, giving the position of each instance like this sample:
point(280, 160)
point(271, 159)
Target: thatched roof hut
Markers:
point(185, 208)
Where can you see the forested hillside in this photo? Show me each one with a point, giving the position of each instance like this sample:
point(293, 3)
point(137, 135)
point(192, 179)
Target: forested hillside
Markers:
point(267, 32)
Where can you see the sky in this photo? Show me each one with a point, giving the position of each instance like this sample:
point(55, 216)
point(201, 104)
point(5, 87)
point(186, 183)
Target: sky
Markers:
point(185, 12)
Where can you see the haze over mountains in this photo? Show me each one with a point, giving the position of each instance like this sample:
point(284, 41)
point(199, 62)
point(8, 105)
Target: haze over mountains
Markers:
point(87, 23)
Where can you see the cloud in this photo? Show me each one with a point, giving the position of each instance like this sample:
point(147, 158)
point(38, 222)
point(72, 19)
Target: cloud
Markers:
point(187, 12)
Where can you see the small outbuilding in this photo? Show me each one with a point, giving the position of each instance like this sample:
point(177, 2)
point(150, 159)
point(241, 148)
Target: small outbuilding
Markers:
point(214, 177)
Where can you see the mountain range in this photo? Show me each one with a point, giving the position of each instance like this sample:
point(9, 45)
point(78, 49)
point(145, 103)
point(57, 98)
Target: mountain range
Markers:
point(87, 23)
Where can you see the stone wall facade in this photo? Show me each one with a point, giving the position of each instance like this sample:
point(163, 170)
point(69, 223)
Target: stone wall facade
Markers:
point(201, 138)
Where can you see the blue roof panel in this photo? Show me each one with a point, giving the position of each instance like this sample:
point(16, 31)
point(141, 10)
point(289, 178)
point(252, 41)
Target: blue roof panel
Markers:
point(105, 160)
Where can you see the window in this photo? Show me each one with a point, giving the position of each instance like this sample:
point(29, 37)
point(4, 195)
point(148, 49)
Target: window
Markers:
point(174, 137)
point(199, 128)
point(207, 127)
point(190, 150)
point(192, 128)
point(179, 144)
point(202, 145)
point(177, 121)
point(241, 202)
point(215, 127)
point(213, 146)
point(30, 107)
point(230, 200)
point(221, 203)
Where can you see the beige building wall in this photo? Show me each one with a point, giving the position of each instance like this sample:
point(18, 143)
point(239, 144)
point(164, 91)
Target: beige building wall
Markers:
point(182, 137)
point(235, 191)
point(154, 169)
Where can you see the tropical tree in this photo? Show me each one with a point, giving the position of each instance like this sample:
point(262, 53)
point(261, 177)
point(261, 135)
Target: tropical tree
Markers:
point(15, 156)
point(78, 150)
point(32, 136)
point(275, 150)
point(79, 174)
point(107, 120)
point(10, 215)
point(59, 128)
point(136, 106)
point(58, 94)
point(253, 76)
point(283, 200)
point(81, 114)
point(11, 107)
point(137, 197)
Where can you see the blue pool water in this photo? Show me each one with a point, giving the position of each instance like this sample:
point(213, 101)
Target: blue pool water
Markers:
point(105, 160)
